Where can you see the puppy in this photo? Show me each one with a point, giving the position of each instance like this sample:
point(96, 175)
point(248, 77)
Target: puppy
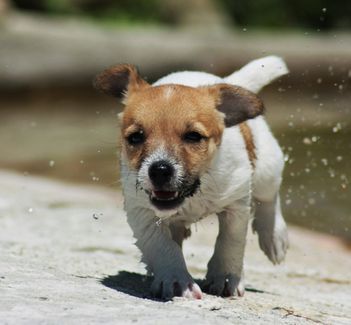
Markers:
point(194, 144)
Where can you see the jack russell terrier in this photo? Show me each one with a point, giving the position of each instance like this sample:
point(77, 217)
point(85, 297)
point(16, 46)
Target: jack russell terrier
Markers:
point(194, 144)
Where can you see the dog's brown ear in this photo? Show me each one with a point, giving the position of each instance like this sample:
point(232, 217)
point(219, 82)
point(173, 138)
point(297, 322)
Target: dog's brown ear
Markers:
point(237, 103)
point(118, 80)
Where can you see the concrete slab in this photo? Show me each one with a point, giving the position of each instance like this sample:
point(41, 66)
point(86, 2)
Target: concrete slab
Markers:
point(67, 257)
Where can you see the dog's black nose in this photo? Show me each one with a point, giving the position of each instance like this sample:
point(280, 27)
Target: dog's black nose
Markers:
point(160, 173)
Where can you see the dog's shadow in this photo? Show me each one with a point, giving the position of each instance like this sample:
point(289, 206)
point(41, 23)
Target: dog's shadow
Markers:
point(133, 284)
point(138, 285)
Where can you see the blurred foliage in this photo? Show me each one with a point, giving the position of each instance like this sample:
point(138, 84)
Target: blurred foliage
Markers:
point(312, 14)
point(107, 10)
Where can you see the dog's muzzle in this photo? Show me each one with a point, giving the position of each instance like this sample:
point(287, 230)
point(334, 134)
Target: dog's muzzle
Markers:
point(161, 173)
point(168, 192)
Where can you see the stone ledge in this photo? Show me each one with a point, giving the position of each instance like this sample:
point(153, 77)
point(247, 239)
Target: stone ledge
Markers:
point(38, 51)
point(67, 256)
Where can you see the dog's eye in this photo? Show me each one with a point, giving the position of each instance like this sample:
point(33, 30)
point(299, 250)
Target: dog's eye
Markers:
point(136, 138)
point(193, 137)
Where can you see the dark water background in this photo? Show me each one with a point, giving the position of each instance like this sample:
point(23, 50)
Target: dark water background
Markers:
point(72, 136)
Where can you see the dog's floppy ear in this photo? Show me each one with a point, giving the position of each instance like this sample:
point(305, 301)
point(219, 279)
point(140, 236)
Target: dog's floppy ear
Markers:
point(237, 103)
point(118, 80)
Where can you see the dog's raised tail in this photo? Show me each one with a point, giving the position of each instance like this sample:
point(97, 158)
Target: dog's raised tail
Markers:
point(258, 73)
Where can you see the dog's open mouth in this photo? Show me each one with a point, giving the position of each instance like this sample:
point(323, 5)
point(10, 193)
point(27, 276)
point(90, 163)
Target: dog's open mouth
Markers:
point(168, 200)
point(165, 200)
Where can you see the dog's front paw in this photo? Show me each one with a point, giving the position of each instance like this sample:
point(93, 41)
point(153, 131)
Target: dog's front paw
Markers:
point(273, 243)
point(225, 285)
point(175, 285)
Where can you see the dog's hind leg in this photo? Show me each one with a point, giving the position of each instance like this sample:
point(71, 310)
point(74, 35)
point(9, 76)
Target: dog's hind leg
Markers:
point(271, 229)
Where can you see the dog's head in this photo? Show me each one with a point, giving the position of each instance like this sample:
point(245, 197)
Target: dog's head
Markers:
point(171, 132)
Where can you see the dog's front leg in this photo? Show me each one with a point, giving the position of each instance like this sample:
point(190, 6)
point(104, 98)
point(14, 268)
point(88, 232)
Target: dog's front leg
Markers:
point(225, 268)
point(164, 258)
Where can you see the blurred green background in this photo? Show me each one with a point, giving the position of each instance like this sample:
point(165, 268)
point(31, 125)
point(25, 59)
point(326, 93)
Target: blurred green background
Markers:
point(312, 14)
point(53, 123)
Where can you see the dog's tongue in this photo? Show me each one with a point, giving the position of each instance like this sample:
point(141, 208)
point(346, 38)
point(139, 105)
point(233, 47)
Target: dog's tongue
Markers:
point(164, 194)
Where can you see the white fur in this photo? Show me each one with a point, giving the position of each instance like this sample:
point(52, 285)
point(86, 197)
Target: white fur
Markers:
point(226, 189)
point(159, 154)
point(258, 73)
point(253, 76)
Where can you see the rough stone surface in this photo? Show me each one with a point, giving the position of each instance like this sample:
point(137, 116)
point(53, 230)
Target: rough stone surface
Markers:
point(39, 51)
point(67, 257)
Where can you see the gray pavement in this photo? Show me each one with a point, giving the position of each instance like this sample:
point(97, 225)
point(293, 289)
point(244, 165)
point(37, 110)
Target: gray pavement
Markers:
point(67, 257)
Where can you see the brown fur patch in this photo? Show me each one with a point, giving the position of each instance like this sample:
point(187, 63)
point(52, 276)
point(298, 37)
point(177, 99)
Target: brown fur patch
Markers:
point(179, 233)
point(117, 80)
point(238, 104)
point(249, 142)
point(164, 114)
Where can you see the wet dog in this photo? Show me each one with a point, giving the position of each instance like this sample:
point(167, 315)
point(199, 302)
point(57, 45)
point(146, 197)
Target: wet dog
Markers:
point(194, 144)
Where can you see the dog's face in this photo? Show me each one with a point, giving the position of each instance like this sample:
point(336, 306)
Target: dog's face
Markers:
point(171, 132)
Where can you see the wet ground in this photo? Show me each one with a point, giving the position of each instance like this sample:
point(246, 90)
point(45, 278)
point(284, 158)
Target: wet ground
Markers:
point(72, 135)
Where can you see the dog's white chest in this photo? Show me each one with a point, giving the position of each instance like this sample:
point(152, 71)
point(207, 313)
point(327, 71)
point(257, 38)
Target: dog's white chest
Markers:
point(228, 180)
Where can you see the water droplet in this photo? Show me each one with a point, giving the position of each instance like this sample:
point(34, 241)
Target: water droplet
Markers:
point(337, 127)
point(319, 80)
point(314, 138)
point(307, 170)
point(287, 202)
point(339, 158)
point(82, 161)
point(343, 177)
point(324, 161)
point(30, 210)
point(51, 163)
point(311, 201)
point(324, 9)
point(244, 29)
point(307, 141)
point(95, 216)
point(331, 172)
